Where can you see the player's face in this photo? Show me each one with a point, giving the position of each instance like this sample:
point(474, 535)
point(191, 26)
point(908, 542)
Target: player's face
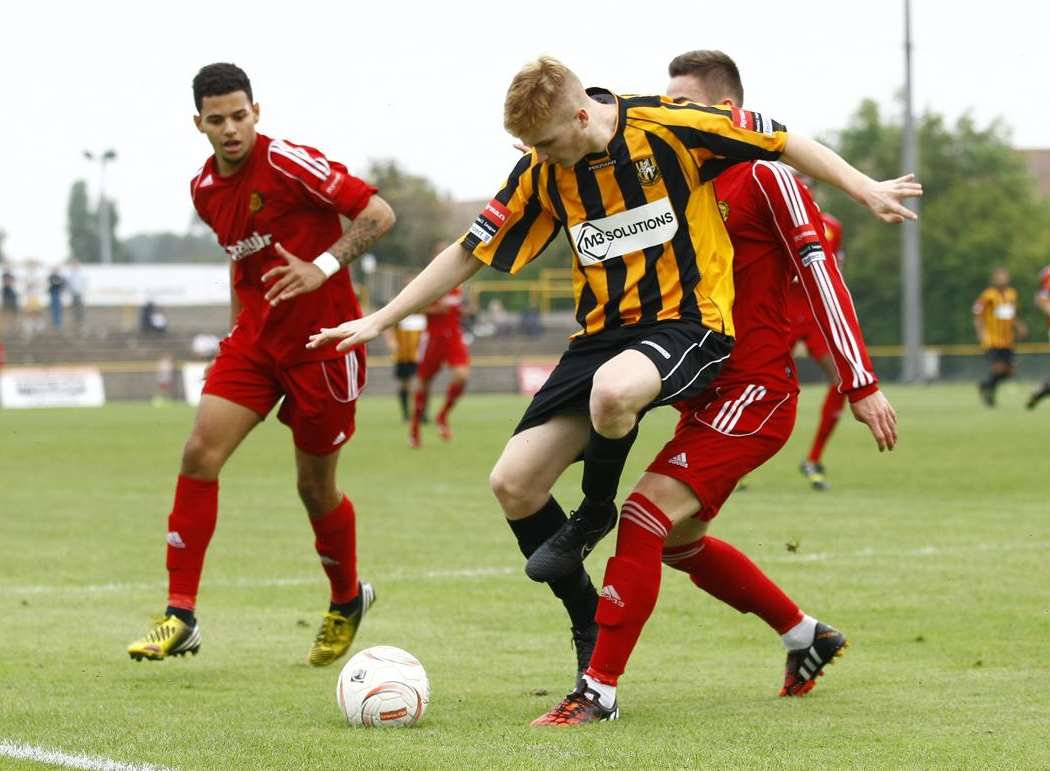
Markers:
point(229, 123)
point(560, 140)
point(693, 89)
point(1000, 278)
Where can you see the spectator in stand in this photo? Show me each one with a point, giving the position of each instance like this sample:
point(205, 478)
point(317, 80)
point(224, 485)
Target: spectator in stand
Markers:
point(33, 305)
point(152, 320)
point(76, 283)
point(9, 303)
point(56, 287)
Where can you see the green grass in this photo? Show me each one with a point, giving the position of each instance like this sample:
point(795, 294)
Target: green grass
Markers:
point(935, 559)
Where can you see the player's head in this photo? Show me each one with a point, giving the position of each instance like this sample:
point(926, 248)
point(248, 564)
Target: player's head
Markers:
point(707, 77)
point(1000, 277)
point(226, 113)
point(547, 108)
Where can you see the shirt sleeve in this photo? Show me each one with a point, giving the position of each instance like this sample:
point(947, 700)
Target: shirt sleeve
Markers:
point(514, 227)
point(980, 303)
point(323, 182)
point(797, 218)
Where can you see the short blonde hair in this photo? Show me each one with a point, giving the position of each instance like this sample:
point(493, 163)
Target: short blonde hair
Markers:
point(536, 93)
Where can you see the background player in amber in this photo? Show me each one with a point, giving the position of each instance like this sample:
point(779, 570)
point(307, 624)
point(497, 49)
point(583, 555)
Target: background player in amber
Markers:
point(275, 207)
point(806, 331)
point(998, 327)
point(442, 346)
point(403, 341)
point(1042, 301)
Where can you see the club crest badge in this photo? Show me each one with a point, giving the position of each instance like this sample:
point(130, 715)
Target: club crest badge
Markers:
point(647, 170)
point(255, 202)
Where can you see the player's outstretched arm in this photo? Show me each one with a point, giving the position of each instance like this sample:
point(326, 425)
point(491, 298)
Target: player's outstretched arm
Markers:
point(876, 412)
point(448, 270)
point(885, 199)
point(298, 276)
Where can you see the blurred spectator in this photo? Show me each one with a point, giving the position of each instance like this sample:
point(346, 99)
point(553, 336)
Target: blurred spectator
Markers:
point(76, 282)
point(56, 286)
point(165, 380)
point(33, 303)
point(152, 320)
point(497, 316)
point(9, 305)
point(530, 322)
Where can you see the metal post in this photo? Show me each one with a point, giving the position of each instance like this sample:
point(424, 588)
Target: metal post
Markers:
point(911, 255)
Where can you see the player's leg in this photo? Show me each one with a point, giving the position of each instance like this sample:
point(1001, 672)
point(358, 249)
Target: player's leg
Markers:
point(521, 480)
point(670, 362)
point(404, 382)
point(834, 400)
point(1000, 368)
point(431, 358)
point(1038, 394)
point(320, 407)
point(219, 427)
point(460, 369)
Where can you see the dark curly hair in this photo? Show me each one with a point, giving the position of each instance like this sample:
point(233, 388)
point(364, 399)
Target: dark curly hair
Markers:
point(218, 79)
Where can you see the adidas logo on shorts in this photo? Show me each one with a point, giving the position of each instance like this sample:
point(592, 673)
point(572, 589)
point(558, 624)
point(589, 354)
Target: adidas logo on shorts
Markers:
point(679, 460)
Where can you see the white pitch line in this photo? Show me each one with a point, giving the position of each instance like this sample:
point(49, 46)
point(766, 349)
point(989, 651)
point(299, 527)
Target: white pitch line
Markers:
point(51, 757)
point(482, 572)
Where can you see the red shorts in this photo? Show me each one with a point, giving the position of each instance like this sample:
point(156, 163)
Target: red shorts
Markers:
point(436, 351)
point(320, 397)
point(728, 437)
point(808, 331)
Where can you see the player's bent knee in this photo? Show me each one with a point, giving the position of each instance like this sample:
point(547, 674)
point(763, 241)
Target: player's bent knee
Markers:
point(628, 594)
point(516, 497)
point(200, 459)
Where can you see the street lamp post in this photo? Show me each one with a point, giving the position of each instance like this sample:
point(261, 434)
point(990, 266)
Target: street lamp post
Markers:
point(105, 234)
point(911, 253)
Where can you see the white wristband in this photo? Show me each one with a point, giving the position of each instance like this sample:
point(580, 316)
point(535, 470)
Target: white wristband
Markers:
point(328, 264)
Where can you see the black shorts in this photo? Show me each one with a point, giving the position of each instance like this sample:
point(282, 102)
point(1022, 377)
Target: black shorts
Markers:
point(405, 369)
point(688, 356)
point(1001, 356)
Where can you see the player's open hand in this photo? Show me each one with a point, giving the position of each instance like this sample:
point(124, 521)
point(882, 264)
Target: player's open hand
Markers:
point(886, 198)
point(291, 280)
point(876, 412)
point(351, 334)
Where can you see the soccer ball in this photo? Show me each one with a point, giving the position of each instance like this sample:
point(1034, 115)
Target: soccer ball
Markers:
point(383, 686)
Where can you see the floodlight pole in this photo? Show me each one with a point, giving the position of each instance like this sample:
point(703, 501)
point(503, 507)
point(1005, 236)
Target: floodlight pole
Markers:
point(105, 234)
point(911, 254)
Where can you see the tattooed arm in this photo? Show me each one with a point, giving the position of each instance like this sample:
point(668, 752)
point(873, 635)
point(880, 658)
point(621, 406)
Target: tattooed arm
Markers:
point(300, 276)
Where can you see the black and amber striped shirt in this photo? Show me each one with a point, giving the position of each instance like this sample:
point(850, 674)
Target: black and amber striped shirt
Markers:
point(641, 218)
point(997, 310)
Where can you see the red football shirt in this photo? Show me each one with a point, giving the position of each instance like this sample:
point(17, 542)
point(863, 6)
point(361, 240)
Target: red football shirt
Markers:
point(770, 219)
point(1044, 287)
point(799, 310)
point(288, 194)
point(446, 322)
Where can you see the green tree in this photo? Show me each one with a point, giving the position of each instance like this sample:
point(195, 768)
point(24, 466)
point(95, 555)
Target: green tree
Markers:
point(82, 225)
point(424, 215)
point(980, 209)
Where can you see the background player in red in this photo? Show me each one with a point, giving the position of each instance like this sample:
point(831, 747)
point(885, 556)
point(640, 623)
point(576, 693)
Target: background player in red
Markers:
point(806, 330)
point(742, 420)
point(442, 345)
point(1042, 301)
point(275, 207)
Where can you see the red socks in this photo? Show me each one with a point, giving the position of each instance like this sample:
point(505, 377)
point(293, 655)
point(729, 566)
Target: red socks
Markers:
point(336, 545)
point(190, 527)
point(455, 390)
point(829, 418)
point(419, 406)
point(630, 587)
point(728, 575)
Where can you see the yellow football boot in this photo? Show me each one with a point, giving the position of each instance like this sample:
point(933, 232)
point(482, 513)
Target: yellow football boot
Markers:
point(337, 631)
point(169, 636)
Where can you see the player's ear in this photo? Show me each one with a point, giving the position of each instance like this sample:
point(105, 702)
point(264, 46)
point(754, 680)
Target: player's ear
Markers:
point(255, 111)
point(583, 117)
point(198, 121)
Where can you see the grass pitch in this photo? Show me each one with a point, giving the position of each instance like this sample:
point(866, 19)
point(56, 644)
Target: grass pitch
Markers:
point(934, 559)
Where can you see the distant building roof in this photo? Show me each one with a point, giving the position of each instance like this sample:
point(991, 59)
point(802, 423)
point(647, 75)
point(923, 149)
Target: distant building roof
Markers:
point(1038, 160)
